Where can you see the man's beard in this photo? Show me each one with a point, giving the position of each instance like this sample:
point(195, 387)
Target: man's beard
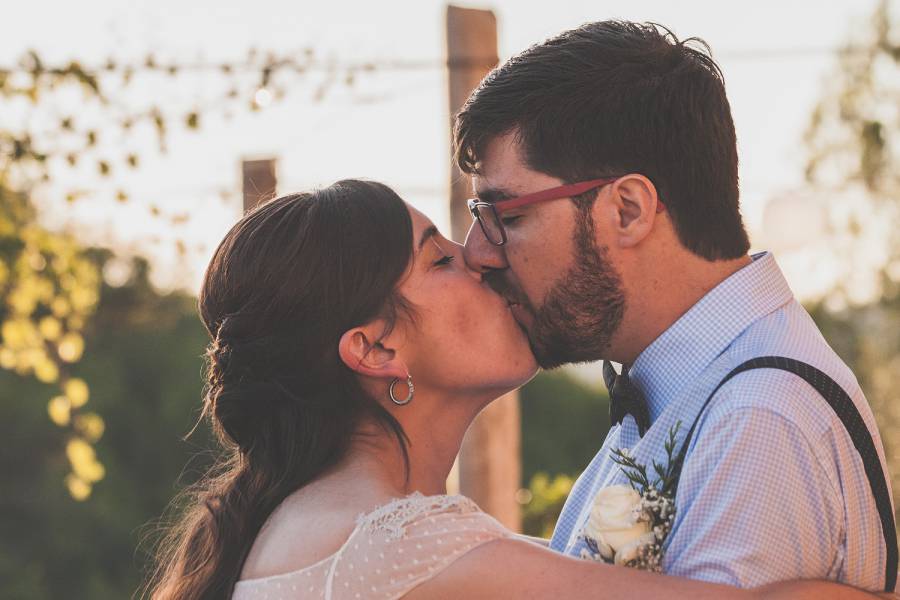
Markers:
point(583, 310)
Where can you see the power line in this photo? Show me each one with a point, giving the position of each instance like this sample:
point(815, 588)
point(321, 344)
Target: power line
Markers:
point(273, 64)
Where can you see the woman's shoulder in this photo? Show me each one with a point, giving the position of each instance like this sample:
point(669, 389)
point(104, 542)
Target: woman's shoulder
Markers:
point(324, 530)
point(340, 533)
point(408, 541)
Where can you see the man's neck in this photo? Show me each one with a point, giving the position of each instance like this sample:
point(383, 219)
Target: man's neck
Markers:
point(662, 296)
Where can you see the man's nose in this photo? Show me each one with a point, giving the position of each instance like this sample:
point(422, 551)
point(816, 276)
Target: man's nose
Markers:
point(480, 254)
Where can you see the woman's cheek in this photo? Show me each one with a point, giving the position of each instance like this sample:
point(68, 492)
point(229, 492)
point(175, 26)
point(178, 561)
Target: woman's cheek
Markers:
point(466, 312)
point(464, 320)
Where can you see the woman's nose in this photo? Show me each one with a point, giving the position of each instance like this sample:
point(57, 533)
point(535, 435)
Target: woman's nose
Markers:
point(480, 254)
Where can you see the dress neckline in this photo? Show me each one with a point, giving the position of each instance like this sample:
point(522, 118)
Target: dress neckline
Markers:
point(371, 519)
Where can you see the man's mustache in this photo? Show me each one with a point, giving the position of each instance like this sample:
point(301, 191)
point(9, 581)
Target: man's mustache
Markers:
point(498, 282)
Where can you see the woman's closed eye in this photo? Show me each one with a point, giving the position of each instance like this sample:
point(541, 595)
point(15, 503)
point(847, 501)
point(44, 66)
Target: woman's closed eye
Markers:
point(445, 258)
point(509, 220)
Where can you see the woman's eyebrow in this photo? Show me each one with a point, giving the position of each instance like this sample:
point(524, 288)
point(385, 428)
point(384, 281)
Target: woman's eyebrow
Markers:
point(429, 233)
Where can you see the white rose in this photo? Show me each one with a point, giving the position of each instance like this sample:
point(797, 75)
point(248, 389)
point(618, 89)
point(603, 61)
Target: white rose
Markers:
point(616, 520)
point(629, 551)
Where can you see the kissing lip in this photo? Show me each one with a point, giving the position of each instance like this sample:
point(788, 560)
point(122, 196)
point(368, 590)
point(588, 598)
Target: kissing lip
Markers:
point(505, 291)
point(512, 303)
point(521, 315)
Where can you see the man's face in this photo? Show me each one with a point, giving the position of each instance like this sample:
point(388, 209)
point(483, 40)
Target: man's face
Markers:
point(563, 290)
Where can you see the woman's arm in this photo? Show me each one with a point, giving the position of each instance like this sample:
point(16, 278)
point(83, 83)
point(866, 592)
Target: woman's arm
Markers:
point(511, 568)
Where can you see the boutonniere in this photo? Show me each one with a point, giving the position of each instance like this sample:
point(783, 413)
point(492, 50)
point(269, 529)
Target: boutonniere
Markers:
point(629, 524)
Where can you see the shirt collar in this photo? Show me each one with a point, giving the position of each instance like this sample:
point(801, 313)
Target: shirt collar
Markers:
point(685, 349)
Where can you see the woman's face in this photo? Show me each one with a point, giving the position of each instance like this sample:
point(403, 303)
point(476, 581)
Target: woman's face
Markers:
point(463, 338)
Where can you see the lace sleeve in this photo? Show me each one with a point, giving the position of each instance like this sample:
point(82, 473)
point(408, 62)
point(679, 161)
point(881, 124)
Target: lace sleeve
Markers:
point(403, 544)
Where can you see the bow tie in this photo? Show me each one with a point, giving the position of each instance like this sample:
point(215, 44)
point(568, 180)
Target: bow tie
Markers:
point(625, 398)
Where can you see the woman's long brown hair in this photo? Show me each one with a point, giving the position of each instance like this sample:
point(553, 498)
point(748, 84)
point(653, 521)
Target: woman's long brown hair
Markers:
point(282, 287)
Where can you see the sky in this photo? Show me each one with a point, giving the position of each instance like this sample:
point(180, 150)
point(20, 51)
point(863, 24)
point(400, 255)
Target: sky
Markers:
point(392, 125)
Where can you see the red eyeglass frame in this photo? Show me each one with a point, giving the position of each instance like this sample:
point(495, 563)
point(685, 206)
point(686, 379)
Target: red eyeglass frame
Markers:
point(554, 193)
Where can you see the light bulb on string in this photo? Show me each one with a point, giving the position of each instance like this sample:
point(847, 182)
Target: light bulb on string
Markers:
point(262, 98)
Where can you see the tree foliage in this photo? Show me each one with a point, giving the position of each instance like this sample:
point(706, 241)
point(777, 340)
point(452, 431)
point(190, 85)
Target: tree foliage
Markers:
point(564, 422)
point(852, 135)
point(144, 359)
point(48, 289)
point(854, 159)
point(853, 142)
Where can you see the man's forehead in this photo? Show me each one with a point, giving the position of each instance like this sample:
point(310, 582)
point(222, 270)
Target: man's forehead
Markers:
point(499, 156)
point(499, 181)
point(502, 171)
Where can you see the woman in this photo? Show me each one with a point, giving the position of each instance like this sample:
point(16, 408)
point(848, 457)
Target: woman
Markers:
point(352, 348)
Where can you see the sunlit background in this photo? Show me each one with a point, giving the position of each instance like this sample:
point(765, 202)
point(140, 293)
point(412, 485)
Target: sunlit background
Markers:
point(123, 126)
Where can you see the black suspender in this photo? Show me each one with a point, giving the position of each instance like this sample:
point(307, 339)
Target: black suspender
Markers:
point(846, 411)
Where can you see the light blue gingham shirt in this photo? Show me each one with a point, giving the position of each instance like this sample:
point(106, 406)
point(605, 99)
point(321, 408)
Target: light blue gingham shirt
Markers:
point(772, 487)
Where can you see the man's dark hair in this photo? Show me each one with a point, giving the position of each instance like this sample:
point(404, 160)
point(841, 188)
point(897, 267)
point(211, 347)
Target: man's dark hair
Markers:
point(616, 97)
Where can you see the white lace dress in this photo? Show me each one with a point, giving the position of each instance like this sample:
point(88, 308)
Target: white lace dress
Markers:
point(393, 549)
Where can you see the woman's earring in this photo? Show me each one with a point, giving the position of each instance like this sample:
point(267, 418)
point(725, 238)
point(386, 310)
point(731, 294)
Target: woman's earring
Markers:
point(409, 396)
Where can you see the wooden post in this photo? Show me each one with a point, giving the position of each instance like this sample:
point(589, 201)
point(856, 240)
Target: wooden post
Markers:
point(471, 53)
point(490, 460)
point(259, 181)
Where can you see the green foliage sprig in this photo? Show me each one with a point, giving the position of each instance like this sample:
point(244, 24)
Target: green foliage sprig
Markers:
point(666, 476)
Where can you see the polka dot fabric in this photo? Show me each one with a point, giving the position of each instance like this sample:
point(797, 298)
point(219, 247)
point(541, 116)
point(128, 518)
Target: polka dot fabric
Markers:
point(392, 550)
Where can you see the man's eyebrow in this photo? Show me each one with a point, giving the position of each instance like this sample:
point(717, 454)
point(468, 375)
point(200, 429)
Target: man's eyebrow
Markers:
point(493, 195)
point(426, 235)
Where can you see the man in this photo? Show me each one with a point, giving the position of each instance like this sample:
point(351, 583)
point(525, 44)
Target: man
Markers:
point(645, 262)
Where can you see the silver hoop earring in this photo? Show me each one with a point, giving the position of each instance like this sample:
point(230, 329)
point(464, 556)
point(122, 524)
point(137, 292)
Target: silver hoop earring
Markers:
point(409, 395)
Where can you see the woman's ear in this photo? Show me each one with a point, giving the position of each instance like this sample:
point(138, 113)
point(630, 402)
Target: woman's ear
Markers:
point(365, 350)
point(636, 201)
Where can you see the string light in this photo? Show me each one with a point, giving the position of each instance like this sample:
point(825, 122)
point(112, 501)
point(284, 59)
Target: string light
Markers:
point(262, 98)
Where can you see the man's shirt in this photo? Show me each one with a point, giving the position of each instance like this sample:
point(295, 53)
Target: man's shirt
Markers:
point(772, 488)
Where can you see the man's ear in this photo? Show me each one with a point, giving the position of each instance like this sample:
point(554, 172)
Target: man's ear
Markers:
point(366, 351)
point(635, 202)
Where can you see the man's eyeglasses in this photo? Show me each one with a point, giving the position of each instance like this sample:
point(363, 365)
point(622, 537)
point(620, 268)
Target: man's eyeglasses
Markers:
point(488, 213)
